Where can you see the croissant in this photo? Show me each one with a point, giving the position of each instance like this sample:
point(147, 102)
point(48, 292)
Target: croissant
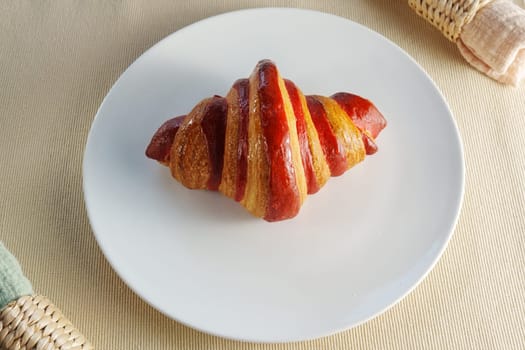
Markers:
point(265, 144)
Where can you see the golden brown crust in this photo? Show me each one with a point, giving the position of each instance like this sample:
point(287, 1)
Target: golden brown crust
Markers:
point(229, 171)
point(345, 130)
point(321, 169)
point(189, 159)
point(256, 194)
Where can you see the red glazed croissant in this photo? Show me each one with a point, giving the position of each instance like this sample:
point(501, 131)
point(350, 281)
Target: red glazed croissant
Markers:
point(265, 144)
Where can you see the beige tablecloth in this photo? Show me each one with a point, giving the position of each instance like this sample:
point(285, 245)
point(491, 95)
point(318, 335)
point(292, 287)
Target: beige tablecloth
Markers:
point(58, 59)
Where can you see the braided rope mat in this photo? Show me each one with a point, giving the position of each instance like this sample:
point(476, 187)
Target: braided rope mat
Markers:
point(34, 323)
point(449, 16)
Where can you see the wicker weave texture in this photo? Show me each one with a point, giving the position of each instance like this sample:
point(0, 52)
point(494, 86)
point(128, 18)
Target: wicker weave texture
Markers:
point(449, 16)
point(34, 323)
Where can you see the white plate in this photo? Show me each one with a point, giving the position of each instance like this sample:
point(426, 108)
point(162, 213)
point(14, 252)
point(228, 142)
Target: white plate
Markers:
point(356, 248)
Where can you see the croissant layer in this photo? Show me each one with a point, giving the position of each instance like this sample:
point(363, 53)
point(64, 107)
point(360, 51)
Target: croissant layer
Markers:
point(266, 144)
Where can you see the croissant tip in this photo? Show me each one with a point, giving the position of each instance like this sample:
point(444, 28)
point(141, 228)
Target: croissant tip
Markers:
point(265, 61)
point(160, 145)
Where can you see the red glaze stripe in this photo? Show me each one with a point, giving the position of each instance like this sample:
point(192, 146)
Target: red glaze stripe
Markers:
point(369, 143)
point(243, 90)
point(283, 194)
point(362, 112)
point(160, 144)
point(333, 151)
point(306, 156)
point(214, 127)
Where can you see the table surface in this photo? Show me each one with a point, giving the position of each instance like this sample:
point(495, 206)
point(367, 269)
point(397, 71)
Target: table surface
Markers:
point(59, 59)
